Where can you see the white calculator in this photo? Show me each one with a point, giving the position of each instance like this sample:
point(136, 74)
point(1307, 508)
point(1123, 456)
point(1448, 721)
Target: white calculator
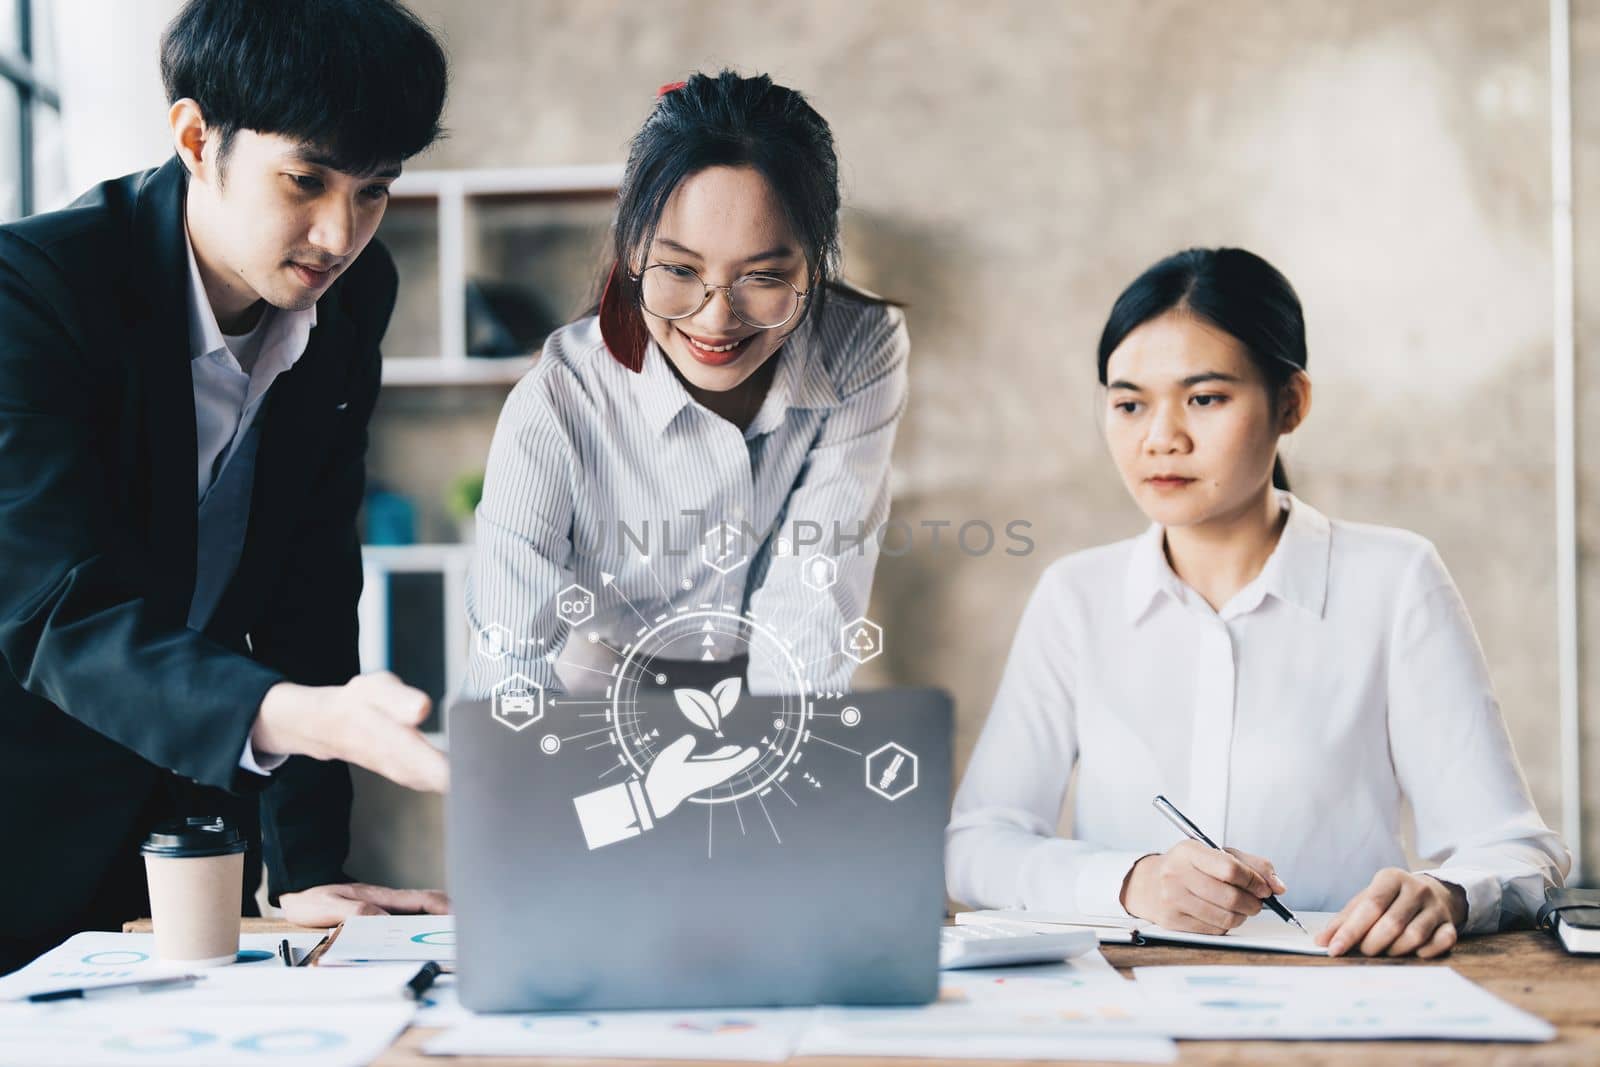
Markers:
point(997, 944)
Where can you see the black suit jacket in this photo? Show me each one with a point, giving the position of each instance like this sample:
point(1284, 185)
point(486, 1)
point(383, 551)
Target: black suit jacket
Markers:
point(113, 714)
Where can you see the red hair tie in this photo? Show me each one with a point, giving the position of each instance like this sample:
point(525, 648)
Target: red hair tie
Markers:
point(670, 87)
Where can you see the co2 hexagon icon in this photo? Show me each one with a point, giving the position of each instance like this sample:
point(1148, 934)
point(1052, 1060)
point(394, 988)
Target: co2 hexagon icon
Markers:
point(861, 640)
point(722, 549)
point(892, 771)
point(517, 702)
point(820, 573)
point(494, 641)
point(575, 605)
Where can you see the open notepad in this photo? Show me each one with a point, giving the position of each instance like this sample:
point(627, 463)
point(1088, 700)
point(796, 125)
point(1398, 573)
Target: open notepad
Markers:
point(1264, 932)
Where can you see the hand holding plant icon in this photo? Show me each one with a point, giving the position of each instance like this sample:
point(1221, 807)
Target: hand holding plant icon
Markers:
point(707, 710)
point(678, 773)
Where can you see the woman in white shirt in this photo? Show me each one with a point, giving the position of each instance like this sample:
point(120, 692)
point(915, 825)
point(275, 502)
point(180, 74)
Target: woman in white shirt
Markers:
point(725, 418)
point(1284, 678)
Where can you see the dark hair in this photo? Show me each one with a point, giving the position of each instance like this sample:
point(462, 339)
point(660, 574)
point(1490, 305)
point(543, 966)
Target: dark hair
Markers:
point(731, 121)
point(1236, 291)
point(362, 80)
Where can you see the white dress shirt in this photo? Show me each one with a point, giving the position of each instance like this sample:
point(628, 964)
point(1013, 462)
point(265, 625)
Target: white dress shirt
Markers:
point(231, 376)
point(1290, 724)
point(229, 393)
point(585, 447)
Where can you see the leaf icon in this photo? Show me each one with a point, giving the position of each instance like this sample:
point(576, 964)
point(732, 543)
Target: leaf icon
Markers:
point(726, 693)
point(700, 709)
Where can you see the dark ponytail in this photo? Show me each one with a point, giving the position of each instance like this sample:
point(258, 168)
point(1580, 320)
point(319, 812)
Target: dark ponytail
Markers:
point(1236, 291)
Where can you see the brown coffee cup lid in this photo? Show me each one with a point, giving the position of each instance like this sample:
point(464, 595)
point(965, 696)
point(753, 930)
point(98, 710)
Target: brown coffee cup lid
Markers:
point(197, 835)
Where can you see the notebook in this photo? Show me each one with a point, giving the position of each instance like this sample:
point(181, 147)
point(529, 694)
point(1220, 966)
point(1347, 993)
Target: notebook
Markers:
point(1573, 915)
point(1262, 933)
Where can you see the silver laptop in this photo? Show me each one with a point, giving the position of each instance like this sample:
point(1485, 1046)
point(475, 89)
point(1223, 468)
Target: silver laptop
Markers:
point(696, 846)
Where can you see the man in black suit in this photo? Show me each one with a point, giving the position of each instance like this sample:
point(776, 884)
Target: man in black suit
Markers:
point(188, 361)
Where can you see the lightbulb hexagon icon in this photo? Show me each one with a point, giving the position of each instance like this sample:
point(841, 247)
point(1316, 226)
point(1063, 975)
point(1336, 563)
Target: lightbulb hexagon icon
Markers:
point(820, 573)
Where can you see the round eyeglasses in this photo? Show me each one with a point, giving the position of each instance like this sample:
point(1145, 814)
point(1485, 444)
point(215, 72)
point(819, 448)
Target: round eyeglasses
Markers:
point(765, 301)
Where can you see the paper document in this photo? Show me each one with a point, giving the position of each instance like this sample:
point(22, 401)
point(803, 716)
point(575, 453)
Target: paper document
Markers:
point(1358, 1001)
point(1080, 1009)
point(378, 984)
point(154, 1029)
point(1069, 1011)
point(440, 1006)
point(393, 939)
point(1110, 931)
point(101, 958)
point(1264, 932)
point(768, 1035)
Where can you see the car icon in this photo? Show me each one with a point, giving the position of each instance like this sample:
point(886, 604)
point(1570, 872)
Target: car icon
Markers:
point(518, 702)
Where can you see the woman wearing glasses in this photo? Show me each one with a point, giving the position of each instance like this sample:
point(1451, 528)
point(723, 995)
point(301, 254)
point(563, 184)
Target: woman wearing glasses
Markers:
point(717, 434)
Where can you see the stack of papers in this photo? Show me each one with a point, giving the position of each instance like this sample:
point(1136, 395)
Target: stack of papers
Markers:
point(1052, 1012)
point(256, 1011)
point(98, 958)
point(260, 1012)
point(764, 1035)
point(169, 1029)
point(1077, 1010)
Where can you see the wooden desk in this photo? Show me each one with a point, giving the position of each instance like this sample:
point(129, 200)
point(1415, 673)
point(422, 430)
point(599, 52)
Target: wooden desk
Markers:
point(1526, 969)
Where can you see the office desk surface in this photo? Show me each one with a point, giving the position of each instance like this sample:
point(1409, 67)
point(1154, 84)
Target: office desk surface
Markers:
point(1526, 969)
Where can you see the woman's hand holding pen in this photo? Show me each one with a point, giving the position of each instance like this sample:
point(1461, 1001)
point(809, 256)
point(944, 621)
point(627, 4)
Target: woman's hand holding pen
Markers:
point(1199, 889)
point(1398, 914)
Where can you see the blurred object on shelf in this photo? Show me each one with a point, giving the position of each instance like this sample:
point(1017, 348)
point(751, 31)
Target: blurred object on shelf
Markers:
point(505, 319)
point(391, 518)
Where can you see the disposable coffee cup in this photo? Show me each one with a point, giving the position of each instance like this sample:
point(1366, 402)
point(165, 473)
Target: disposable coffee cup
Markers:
point(195, 869)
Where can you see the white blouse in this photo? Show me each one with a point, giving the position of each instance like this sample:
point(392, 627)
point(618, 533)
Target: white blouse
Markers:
point(1290, 724)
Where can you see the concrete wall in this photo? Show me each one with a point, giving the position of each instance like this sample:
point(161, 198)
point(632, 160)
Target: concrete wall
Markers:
point(1011, 165)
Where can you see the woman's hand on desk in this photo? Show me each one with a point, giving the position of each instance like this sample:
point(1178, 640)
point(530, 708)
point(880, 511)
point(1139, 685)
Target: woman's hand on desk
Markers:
point(1400, 913)
point(329, 905)
point(1196, 888)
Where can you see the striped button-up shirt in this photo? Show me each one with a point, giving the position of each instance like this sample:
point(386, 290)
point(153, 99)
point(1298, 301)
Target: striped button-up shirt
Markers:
point(614, 482)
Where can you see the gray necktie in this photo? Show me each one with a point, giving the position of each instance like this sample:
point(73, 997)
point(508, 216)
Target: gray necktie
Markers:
point(224, 518)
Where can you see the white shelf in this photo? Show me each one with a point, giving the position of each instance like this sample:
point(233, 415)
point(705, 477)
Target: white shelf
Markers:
point(597, 178)
point(450, 193)
point(469, 370)
point(412, 559)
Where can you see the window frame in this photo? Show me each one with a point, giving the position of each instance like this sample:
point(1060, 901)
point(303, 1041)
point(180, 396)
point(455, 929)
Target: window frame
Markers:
point(17, 68)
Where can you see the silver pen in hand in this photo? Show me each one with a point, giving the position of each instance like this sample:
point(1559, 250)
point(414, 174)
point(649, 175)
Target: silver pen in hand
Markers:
point(1190, 830)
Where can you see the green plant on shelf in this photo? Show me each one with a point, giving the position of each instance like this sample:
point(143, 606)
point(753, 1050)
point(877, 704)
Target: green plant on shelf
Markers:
point(462, 502)
point(464, 494)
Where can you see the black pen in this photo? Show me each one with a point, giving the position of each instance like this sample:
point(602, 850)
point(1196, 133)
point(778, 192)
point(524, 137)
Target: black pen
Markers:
point(284, 953)
point(422, 980)
point(1181, 821)
point(144, 985)
point(306, 959)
